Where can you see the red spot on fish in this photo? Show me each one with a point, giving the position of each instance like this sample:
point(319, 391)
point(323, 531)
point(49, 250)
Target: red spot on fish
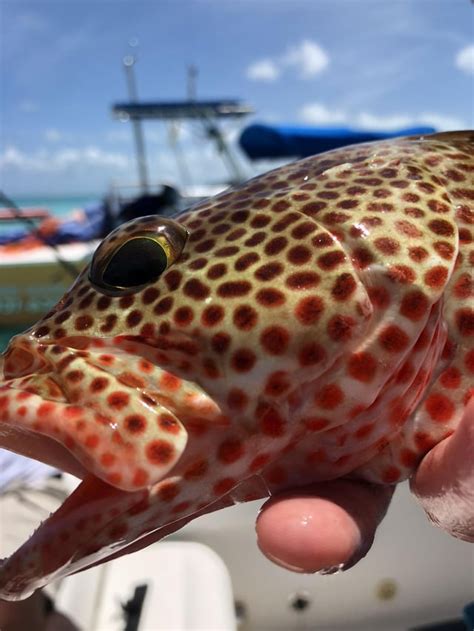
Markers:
point(140, 478)
point(92, 441)
point(401, 274)
point(391, 475)
point(312, 353)
point(135, 424)
point(270, 297)
point(379, 297)
point(259, 462)
point(439, 407)
point(436, 277)
point(168, 491)
point(414, 305)
point(212, 315)
point(316, 423)
point(196, 470)
point(45, 409)
point(118, 400)
point(275, 339)
point(170, 382)
point(393, 339)
point(277, 383)
point(98, 384)
point(160, 452)
point(107, 459)
point(340, 327)
point(230, 450)
point(329, 397)
point(114, 478)
point(408, 458)
point(450, 378)
point(243, 360)
point(362, 366)
point(309, 310)
point(237, 399)
point(271, 422)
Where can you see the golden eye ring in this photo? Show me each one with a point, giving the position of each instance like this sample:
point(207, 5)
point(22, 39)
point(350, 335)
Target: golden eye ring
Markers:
point(136, 254)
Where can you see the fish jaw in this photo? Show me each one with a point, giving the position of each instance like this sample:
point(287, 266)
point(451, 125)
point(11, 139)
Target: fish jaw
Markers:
point(101, 407)
point(99, 522)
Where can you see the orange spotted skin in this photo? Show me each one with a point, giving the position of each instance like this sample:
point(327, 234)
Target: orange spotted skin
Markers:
point(316, 322)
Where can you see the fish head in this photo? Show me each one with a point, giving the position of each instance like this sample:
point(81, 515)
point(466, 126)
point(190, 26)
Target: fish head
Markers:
point(213, 320)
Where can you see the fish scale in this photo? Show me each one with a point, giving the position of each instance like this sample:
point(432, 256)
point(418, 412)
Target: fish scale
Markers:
point(312, 323)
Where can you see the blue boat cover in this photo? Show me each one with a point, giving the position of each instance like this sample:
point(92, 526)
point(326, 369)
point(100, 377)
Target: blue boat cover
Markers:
point(285, 141)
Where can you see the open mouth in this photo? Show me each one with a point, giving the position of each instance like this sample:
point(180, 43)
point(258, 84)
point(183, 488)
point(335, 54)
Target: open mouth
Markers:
point(114, 418)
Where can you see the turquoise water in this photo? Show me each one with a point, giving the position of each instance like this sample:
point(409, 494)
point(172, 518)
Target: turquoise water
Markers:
point(58, 206)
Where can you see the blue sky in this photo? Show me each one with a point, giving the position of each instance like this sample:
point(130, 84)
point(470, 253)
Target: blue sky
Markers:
point(364, 63)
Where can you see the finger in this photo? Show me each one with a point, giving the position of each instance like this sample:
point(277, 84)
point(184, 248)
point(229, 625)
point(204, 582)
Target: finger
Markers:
point(324, 527)
point(444, 481)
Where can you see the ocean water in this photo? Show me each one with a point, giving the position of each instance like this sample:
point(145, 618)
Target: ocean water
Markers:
point(57, 206)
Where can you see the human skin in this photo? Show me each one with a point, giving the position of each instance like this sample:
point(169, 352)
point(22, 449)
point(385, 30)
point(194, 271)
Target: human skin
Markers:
point(331, 526)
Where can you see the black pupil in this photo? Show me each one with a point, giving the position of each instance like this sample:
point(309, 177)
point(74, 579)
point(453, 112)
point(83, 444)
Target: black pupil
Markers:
point(137, 262)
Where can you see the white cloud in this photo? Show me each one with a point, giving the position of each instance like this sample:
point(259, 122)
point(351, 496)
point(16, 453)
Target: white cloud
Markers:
point(367, 120)
point(307, 58)
point(263, 70)
point(52, 135)
point(465, 59)
point(319, 114)
point(46, 161)
point(442, 122)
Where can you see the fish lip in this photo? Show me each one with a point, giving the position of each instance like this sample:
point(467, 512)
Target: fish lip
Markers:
point(21, 363)
point(72, 419)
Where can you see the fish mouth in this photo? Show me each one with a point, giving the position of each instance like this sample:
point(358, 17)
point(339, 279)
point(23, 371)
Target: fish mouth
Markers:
point(126, 452)
point(114, 413)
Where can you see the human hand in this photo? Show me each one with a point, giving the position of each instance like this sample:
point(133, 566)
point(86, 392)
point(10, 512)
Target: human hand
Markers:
point(332, 525)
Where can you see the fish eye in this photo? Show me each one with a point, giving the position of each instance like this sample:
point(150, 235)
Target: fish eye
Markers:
point(136, 254)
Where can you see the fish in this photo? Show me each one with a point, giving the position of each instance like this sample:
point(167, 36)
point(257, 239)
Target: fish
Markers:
point(312, 323)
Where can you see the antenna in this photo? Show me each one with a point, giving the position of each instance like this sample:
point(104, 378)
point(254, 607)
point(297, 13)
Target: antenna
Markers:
point(129, 62)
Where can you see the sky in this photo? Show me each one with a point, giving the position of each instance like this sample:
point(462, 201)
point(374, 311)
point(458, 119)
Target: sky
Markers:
point(360, 63)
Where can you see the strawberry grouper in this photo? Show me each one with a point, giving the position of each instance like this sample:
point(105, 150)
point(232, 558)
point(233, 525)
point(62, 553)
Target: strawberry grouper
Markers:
point(313, 323)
